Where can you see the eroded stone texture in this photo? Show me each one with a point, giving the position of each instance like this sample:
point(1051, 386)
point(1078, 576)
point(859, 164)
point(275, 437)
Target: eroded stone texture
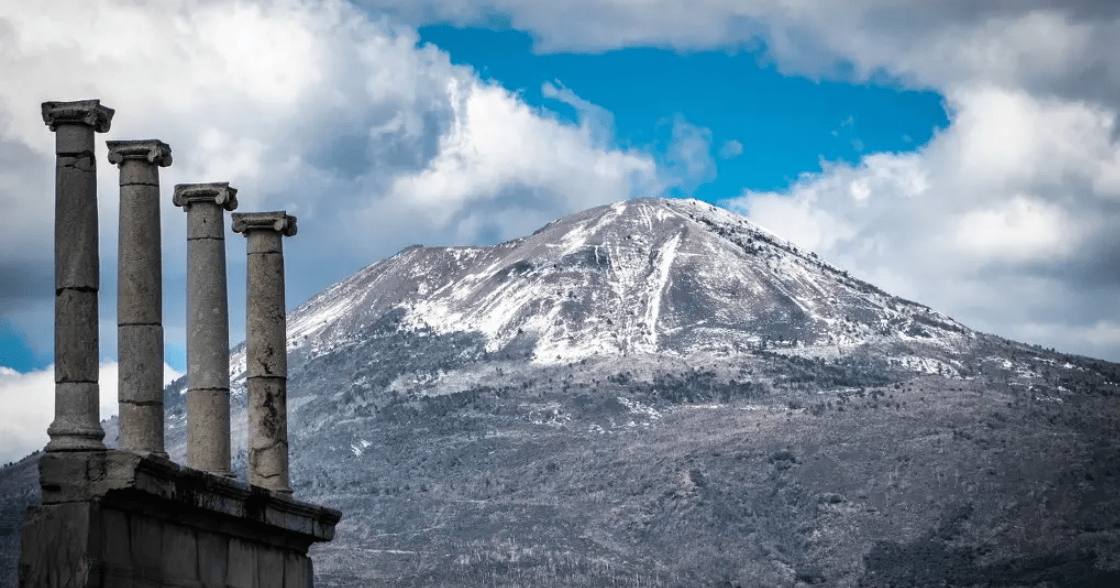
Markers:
point(116, 519)
point(140, 294)
point(266, 346)
point(208, 445)
point(77, 277)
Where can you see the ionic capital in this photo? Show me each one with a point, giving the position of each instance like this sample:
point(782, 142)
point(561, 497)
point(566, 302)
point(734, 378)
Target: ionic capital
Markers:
point(85, 112)
point(278, 221)
point(219, 193)
point(150, 150)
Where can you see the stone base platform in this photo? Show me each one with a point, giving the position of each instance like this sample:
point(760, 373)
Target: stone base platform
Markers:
point(128, 520)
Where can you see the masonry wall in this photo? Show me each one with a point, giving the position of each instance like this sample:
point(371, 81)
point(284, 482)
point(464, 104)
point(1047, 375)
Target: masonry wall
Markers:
point(96, 546)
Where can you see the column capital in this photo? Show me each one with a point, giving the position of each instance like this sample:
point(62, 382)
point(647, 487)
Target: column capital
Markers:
point(150, 150)
point(219, 193)
point(85, 112)
point(279, 221)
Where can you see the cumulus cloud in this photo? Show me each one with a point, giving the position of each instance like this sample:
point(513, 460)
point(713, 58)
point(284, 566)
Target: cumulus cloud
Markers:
point(311, 106)
point(687, 162)
point(1005, 220)
point(28, 401)
point(731, 149)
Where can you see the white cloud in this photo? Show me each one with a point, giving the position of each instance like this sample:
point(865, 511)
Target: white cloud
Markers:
point(309, 106)
point(688, 161)
point(1018, 243)
point(28, 401)
point(1006, 219)
point(731, 149)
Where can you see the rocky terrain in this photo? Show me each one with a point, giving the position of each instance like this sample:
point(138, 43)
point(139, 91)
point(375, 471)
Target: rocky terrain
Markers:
point(659, 393)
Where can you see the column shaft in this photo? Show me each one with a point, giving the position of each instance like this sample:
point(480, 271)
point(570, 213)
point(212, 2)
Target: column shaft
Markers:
point(266, 347)
point(76, 425)
point(208, 430)
point(140, 295)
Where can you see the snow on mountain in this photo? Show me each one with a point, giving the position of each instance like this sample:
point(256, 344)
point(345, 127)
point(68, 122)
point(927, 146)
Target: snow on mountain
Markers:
point(647, 276)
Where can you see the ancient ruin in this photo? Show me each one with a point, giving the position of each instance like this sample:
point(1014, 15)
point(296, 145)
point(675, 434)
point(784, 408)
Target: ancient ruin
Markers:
point(132, 517)
point(208, 444)
point(266, 346)
point(140, 294)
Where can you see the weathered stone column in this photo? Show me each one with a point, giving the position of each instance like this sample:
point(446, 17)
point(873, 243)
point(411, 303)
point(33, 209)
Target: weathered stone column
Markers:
point(140, 294)
point(77, 276)
point(266, 346)
point(208, 444)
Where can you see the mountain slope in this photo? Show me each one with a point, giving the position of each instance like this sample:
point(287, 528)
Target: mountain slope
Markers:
point(649, 276)
point(659, 393)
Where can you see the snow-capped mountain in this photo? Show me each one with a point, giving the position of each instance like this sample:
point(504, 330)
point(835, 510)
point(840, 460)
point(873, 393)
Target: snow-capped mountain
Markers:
point(660, 393)
point(645, 276)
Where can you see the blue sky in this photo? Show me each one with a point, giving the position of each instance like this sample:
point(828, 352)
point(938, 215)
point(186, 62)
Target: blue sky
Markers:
point(963, 155)
point(785, 124)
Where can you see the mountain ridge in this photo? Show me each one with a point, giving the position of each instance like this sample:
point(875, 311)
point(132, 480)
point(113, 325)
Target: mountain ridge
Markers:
point(660, 393)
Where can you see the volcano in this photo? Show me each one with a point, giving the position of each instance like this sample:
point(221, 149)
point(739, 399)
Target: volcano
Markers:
point(661, 393)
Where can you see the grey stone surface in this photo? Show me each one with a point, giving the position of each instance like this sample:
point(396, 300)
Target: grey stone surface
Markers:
point(84, 112)
point(75, 426)
point(266, 346)
point(268, 431)
point(213, 555)
point(180, 549)
point(297, 572)
point(77, 276)
point(143, 371)
point(76, 338)
point(145, 438)
point(119, 518)
point(207, 324)
point(270, 567)
point(76, 238)
point(208, 446)
point(242, 565)
point(73, 140)
point(152, 152)
point(146, 536)
point(140, 293)
point(55, 546)
point(116, 537)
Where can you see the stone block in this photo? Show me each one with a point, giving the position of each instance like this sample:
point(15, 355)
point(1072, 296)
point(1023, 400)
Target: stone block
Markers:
point(213, 555)
point(297, 571)
point(180, 555)
point(205, 220)
point(76, 426)
point(140, 375)
point(268, 433)
point(141, 427)
point(76, 341)
point(87, 113)
point(241, 566)
point(147, 545)
point(71, 138)
point(139, 269)
point(264, 243)
point(116, 539)
point(270, 567)
point(138, 172)
point(76, 237)
point(56, 546)
point(208, 441)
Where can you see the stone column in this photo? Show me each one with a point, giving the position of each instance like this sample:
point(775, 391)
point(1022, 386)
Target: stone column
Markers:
point(140, 294)
point(266, 346)
point(208, 444)
point(77, 423)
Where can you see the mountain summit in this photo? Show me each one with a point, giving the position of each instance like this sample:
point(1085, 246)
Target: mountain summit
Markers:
point(660, 393)
point(646, 276)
